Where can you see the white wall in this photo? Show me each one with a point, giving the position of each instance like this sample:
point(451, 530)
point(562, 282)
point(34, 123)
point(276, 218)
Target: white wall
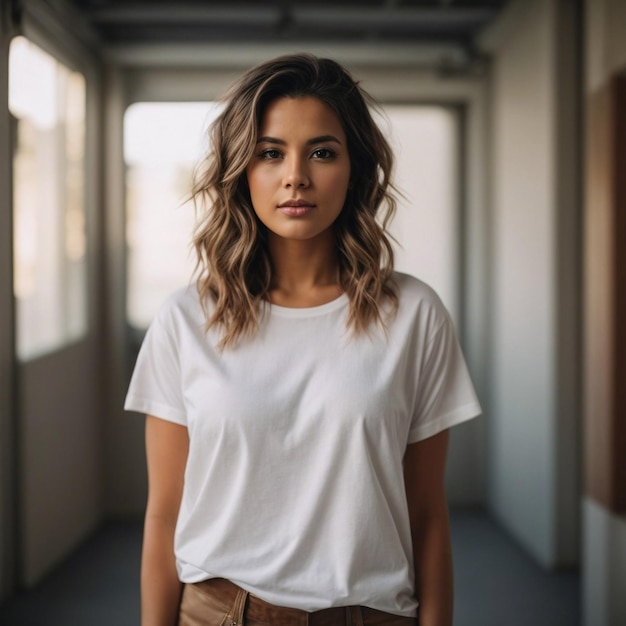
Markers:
point(604, 558)
point(60, 482)
point(527, 299)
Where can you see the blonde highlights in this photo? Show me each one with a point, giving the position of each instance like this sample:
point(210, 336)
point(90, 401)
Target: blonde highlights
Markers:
point(233, 261)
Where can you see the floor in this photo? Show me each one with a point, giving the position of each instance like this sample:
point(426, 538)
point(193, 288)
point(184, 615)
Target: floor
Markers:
point(496, 583)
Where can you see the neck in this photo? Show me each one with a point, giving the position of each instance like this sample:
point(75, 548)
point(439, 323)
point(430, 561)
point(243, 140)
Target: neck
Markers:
point(305, 273)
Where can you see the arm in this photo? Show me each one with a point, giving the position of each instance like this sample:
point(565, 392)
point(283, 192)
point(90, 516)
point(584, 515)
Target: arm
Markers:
point(424, 465)
point(167, 445)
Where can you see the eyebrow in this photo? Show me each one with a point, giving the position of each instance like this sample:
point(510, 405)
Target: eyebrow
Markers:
point(313, 140)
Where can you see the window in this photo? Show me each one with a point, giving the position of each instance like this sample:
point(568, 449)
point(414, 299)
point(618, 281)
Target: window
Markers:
point(159, 172)
point(162, 143)
point(425, 143)
point(48, 102)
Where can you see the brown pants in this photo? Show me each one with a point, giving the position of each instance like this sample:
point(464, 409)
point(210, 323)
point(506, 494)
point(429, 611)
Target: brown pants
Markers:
point(218, 602)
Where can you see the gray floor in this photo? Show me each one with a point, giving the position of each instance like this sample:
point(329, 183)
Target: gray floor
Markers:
point(496, 583)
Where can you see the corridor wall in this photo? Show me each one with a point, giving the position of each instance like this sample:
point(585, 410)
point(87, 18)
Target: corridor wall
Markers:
point(533, 407)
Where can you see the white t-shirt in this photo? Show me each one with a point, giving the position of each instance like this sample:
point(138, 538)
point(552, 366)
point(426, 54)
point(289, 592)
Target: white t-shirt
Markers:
point(294, 486)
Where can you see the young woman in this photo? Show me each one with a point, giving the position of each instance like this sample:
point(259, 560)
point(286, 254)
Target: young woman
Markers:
point(299, 396)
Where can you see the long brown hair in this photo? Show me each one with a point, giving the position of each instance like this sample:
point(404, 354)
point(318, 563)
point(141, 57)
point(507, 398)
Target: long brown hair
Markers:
point(233, 259)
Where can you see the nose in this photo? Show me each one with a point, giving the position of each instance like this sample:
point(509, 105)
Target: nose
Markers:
point(296, 174)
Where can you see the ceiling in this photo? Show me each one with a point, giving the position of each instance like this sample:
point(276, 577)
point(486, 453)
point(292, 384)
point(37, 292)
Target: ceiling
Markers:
point(121, 22)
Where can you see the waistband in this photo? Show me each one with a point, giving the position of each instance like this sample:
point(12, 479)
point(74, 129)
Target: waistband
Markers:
point(258, 610)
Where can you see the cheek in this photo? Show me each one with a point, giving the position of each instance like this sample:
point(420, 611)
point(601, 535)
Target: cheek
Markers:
point(338, 183)
point(261, 195)
point(260, 181)
point(257, 184)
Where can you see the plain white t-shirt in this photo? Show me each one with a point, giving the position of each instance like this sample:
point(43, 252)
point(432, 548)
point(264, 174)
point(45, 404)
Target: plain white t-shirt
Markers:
point(294, 485)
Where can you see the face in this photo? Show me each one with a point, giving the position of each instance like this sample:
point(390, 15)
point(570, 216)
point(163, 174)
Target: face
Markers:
point(300, 171)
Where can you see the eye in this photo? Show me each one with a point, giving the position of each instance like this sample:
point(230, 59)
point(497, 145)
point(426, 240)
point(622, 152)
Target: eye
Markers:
point(323, 153)
point(270, 154)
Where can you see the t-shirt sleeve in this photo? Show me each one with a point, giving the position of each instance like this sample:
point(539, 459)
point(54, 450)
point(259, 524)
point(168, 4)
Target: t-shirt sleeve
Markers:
point(155, 387)
point(445, 394)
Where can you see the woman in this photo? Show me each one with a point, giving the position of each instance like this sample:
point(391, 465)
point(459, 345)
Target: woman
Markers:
point(299, 397)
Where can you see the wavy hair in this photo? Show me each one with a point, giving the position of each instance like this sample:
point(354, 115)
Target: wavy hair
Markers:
point(233, 261)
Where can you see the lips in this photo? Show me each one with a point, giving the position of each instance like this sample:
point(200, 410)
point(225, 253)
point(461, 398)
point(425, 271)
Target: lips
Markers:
point(295, 207)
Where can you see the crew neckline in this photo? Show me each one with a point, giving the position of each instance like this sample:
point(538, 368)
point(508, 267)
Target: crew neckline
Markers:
point(310, 311)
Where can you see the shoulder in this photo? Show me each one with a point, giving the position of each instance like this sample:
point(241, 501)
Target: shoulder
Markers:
point(415, 293)
point(181, 308)
point(419, 304)
point(414, 289)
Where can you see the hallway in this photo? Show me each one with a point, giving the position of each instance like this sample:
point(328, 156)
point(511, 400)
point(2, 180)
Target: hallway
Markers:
point(496, 583)
point(530, 239)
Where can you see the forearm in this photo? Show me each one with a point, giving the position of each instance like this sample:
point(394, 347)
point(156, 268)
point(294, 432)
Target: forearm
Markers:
point(160, 586)
point(433, 568)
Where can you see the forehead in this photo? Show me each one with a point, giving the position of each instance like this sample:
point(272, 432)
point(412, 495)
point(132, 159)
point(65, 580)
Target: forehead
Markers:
point(300, 115)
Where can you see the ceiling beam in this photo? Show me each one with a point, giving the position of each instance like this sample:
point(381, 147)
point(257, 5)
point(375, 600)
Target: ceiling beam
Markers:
point(389, 17)
point(392, 18)
point(238, 55)
point(217, 15)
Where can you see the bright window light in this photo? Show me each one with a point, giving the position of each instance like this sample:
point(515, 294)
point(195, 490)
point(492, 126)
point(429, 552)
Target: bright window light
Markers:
point(425, 144)
point(162, 144)
point(47, 101)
